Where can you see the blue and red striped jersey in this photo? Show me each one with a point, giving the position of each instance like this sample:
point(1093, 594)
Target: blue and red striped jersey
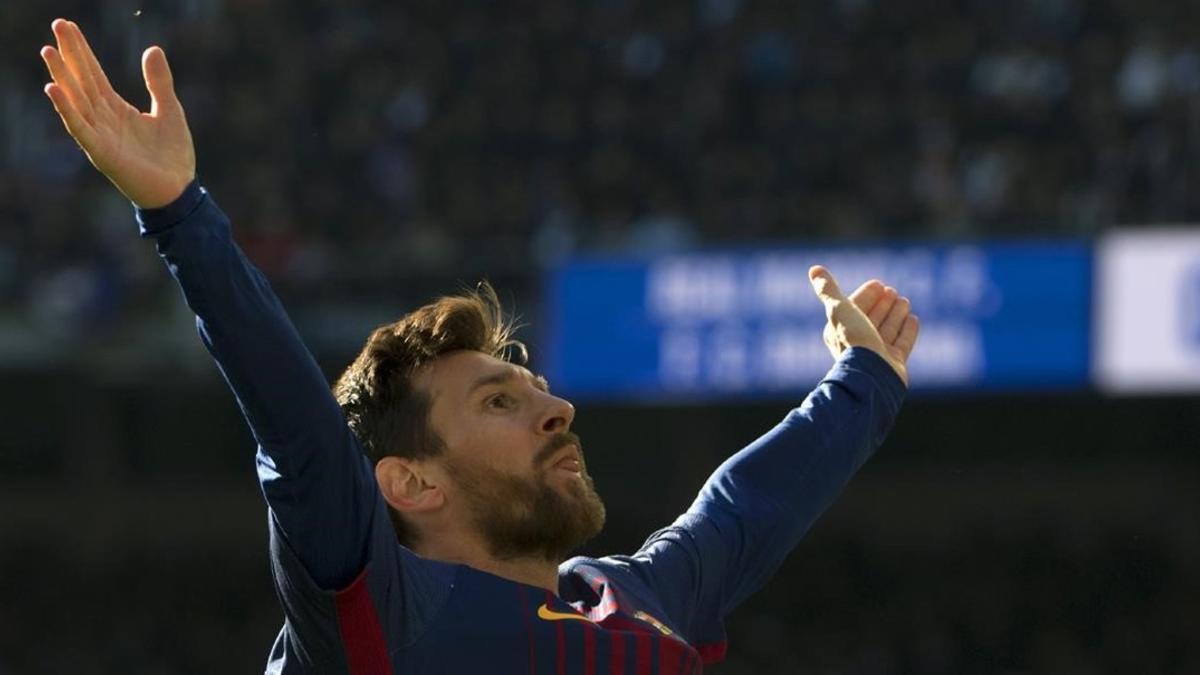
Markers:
point(357, 602)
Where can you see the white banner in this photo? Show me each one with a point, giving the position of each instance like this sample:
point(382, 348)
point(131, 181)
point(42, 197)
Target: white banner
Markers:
point(1148, 311)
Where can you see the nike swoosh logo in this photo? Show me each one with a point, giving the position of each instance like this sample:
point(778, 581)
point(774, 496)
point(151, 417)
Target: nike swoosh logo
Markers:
point(548, 614)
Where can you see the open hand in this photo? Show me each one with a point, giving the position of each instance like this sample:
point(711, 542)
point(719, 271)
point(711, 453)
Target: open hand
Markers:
point(874, 316)
point(150, 157)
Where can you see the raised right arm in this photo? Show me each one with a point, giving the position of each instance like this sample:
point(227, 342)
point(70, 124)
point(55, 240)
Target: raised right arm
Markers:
point(318, 484)
point(314, 476)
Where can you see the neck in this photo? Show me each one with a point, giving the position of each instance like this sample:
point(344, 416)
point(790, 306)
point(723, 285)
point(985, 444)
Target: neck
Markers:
point(529, 571)
point(532, 571)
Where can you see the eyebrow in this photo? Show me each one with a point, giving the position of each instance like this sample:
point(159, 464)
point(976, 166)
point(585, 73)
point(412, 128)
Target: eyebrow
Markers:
point(495, 378)
point(504, 376)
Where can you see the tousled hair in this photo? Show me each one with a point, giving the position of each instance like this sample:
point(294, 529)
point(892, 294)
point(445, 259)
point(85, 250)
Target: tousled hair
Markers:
point(384, 409)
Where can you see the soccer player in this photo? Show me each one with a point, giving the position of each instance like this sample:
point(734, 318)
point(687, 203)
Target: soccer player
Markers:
point(420, 515)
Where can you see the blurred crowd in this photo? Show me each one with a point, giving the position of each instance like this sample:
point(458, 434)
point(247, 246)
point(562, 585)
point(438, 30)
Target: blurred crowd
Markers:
point(1042, 601)
point(360, 144)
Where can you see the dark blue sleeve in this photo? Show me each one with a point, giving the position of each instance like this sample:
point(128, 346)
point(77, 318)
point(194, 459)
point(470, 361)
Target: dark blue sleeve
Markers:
point(389, 603)
point(759, 503)
point(317, 482)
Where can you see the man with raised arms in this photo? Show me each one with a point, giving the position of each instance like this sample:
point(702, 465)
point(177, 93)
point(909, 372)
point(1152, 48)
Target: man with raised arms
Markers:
point(421, 513)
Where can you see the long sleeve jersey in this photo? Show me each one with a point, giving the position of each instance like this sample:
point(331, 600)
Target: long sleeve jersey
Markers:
point(357, 602)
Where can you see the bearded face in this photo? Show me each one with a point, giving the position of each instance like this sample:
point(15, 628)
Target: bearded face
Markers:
point(545, 514)
point(510, 469)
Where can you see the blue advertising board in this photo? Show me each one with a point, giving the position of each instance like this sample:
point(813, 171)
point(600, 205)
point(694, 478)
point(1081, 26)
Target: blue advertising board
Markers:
point(746, 323)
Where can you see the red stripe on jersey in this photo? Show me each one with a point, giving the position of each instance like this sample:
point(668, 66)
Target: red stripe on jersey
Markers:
point(362, 634)
point(668, 655)
point(589, 650)
point(711, 653)
point(618, 653)
point(528, 628)
point(642, 659)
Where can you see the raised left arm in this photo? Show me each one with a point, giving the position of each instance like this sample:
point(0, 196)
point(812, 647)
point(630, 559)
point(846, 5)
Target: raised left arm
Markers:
point(760, 502)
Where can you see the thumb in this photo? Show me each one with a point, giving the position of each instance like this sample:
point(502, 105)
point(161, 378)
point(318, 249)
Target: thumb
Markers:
point(159, 81)
point(825, 286)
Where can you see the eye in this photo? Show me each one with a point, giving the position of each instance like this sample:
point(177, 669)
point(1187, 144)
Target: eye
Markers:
point(499, 401)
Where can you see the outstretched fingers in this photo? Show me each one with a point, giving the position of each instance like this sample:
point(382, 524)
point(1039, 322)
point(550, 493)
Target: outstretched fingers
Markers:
point(70, 45)
point(160, 83)
point(65, 94)
point(65, 80)
point(86, 59)
point(76, 125)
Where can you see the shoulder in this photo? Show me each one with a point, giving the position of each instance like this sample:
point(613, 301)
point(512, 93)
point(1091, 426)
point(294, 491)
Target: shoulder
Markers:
point(588, 579)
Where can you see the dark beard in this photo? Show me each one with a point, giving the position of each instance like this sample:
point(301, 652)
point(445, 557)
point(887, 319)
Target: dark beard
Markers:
point(523, 518)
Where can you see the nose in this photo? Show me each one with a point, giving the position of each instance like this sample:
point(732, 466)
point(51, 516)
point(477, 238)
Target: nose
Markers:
point(558, 415)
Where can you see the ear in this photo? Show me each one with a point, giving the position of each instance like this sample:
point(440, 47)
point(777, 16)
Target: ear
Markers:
point(408, 485)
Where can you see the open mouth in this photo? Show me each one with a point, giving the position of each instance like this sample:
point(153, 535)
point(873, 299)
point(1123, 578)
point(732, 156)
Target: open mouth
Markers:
point(569, 464)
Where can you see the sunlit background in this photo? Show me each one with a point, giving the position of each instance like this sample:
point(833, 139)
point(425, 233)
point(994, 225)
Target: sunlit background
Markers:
point(646, 183)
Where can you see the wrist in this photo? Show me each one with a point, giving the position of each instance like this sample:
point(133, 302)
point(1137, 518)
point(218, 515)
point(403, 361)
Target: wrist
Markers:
point(156, 220)
point(164, 196)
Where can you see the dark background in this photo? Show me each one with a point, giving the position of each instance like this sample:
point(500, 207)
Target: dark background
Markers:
point(372, 154)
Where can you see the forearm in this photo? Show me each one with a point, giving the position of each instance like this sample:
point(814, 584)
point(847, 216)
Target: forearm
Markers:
point(278, 384)
point(765, 497)
point(311, 470)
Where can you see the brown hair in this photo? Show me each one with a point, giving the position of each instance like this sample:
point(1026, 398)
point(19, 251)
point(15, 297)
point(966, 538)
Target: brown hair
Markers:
point(385, 411)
